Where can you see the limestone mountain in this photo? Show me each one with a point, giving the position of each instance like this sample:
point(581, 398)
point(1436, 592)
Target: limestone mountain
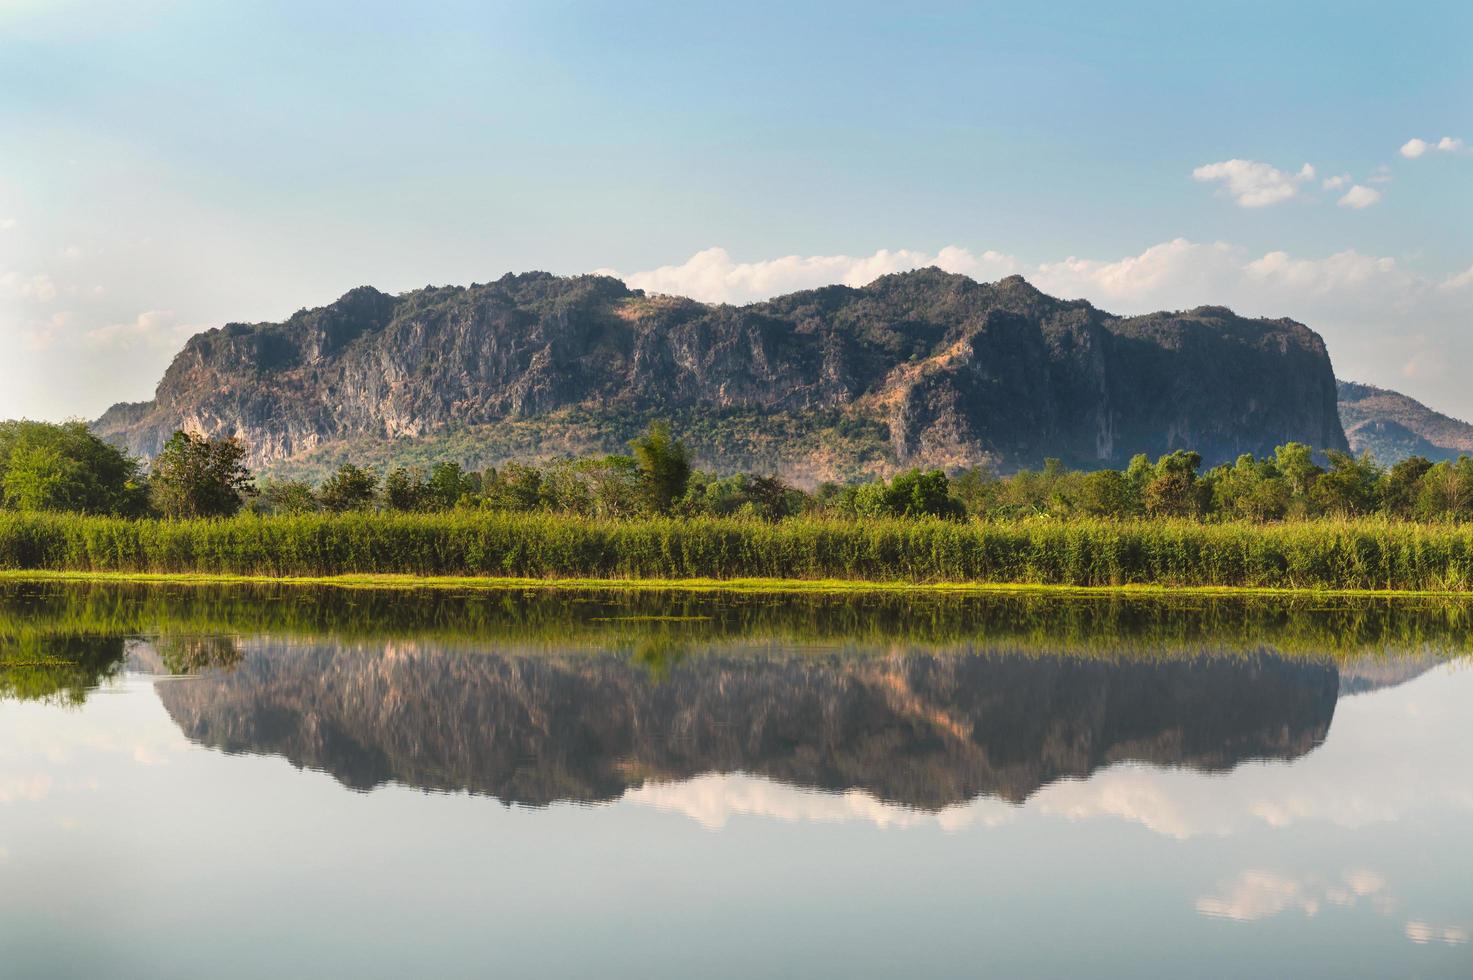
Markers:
point(918, 368)
point(1392, 426)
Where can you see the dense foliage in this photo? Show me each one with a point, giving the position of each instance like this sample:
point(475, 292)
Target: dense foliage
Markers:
point(199, 477)
point(66, 467)
point(1292, 484)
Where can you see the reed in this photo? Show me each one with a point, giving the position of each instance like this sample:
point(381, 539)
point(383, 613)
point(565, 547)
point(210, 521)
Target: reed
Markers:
point(1370, 554)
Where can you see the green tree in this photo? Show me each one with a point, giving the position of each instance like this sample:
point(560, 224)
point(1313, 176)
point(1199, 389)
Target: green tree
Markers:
point(44, 466)
point(286, 497)
point(1446, 490)
point(350, 488)
point(1105, 493)
point(195, 476)
point(915, 493)
point(1349, 487)
point(772, 498)
point(512, 487)
point(1295, 463)
point(403, 491)
point(1402, 484)
point(1175, 491)
point(664, 467)
point(978, 488)
point(447, 484)
point(1251, 489)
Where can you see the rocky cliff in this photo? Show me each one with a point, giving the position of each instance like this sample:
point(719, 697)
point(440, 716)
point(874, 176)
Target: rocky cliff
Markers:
point(916, 368)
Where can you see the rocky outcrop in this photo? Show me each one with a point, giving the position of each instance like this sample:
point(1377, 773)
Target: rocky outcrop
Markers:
point(955, 371)
point(1390, 426)
point(925, 730)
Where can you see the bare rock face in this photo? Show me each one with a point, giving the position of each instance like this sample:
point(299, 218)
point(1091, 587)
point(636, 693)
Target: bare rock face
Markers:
point(958, 372)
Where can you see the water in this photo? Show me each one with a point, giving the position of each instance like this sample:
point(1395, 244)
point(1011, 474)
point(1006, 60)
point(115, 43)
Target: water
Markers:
point(387, 784)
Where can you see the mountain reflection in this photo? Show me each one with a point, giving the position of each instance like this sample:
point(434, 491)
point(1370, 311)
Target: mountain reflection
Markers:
point(924, 700)
point(919, 728)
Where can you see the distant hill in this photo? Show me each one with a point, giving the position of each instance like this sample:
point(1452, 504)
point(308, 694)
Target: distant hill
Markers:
point(1392, 426)
point(919, 368)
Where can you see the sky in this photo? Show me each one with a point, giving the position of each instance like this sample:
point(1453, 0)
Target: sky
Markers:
point(166, 167)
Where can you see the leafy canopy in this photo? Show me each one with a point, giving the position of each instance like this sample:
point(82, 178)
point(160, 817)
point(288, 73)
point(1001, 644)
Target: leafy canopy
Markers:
point(45, 466)
point(196, 476)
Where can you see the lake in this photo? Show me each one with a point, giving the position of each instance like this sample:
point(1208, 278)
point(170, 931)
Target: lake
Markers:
point(269, 781)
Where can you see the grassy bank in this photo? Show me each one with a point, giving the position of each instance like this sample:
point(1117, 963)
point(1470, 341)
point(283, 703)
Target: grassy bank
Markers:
point(1371, 555)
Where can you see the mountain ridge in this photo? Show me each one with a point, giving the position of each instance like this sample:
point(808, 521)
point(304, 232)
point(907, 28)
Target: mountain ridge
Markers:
point(943, 370)
point(1392, 426)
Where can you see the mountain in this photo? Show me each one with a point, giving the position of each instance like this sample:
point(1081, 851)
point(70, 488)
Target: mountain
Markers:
point(1392, 426)
point(918, 368)
point(922, 729)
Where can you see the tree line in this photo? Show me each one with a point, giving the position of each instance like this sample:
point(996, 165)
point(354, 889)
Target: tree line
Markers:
point(65, 467)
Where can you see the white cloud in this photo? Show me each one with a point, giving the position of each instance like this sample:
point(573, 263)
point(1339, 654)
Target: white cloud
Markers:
point(1425, 932)
point(713, 276)
point(154, 328)
point(1414, 148)
point(1253, 184)
point(1336, 182)
point(1257, 894)
point(1462, 280)
point(713, 799)
point(1359, 196)
point(39, 288)
point(7, 223)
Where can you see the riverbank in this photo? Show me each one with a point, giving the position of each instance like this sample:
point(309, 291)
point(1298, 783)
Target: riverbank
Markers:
point(501, 550)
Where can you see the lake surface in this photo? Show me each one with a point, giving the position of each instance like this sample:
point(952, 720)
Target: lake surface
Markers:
point(278, 782)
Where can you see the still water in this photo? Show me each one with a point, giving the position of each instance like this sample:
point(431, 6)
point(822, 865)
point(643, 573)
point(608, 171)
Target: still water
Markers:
point(274, 782)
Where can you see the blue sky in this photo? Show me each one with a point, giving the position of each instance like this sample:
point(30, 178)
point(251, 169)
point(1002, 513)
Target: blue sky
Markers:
point(166, 167)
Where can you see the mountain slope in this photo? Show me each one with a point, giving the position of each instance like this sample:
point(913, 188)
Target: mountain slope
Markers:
point(1392, 426)
point(916, 368)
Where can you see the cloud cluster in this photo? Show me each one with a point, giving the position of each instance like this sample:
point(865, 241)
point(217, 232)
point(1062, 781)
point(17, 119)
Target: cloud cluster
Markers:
point(1414, 148)
point(39, 288)
point(713, 276)
point(154, 328)
point(1253, 184)
point(1257, 894)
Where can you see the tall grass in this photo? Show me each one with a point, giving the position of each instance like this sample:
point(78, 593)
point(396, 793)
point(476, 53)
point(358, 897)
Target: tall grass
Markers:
point(1322, 554)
